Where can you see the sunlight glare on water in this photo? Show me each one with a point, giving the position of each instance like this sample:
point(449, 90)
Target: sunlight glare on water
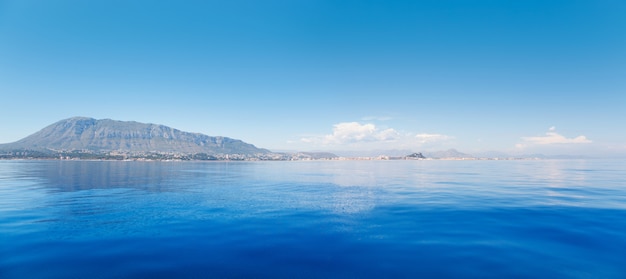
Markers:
point(356, 219)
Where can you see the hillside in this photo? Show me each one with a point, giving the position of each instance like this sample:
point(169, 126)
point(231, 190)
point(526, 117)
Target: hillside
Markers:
point(105, 135)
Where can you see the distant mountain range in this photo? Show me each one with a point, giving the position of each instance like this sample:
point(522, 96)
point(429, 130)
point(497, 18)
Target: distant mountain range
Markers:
point(443, 154)
point(105, 135)
point(450, 153)
point(88, 138)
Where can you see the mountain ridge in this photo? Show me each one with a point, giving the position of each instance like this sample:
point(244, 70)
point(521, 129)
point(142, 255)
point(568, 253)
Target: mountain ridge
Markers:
point(90, 138)
point(105, 135)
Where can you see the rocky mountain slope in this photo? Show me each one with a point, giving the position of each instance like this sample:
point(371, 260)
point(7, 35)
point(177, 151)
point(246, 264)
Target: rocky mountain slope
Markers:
point(105, 135)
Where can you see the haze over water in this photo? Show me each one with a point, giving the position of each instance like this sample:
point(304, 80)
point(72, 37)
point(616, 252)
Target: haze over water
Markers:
point(374, 219)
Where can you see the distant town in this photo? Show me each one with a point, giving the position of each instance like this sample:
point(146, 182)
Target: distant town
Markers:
point(83, 138)
point(177, 156)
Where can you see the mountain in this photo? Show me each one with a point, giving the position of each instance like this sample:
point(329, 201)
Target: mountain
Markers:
point(450, 153)
point(416, 155)
point(106, 135)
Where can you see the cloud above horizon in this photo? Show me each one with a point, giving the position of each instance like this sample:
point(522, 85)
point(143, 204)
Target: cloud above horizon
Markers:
point(354, 132)
point(347, 134)
point(426, 138)
point(552, 137)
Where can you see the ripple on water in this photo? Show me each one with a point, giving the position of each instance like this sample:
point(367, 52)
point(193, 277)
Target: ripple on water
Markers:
point(405, 219)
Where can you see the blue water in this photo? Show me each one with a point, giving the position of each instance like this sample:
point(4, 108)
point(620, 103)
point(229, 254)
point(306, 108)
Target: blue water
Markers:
point(354, 219)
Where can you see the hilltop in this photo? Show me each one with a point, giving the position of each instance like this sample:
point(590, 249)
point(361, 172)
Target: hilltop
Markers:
point(105, 136)
point(89, 138)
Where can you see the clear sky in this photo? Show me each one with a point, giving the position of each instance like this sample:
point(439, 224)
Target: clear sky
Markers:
point(513, 76)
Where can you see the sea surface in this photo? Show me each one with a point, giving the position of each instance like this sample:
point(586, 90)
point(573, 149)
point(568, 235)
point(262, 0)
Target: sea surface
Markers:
point(319, 219)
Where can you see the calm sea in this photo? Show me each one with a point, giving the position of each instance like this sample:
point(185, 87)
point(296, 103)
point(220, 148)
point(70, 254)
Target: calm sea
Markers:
point(353, 219)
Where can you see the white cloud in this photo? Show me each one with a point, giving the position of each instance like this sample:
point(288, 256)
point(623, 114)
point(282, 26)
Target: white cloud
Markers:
point(553, 137)
point(351, 132)
point(355, 134)
point(426, 138)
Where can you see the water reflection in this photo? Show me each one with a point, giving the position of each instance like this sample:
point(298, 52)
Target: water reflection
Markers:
point(404, 219)
point(339, 186)
point(70, 176)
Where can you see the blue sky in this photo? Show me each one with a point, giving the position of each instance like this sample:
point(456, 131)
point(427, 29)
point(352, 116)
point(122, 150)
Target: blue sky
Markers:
point(512, 76)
